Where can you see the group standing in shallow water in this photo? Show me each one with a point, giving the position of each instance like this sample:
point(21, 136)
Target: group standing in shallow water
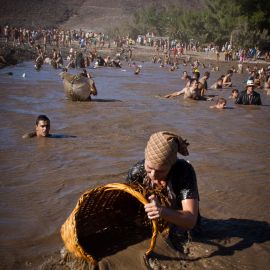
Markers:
point(196, 88)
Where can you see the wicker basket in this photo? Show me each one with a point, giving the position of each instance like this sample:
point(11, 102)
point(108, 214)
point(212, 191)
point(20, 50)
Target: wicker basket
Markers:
point(107, 219)
point(77, 87)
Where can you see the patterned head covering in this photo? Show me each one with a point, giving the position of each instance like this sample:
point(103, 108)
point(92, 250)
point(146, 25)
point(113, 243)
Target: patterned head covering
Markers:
point(163, 146)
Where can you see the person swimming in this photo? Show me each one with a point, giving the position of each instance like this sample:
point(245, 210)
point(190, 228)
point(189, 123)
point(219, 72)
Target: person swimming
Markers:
point(42, 128)
point(221, 104)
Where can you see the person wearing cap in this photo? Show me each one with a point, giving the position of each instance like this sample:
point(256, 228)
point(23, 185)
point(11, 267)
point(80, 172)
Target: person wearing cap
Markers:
point(162, 169)
point(249, 96)
point(42, 128)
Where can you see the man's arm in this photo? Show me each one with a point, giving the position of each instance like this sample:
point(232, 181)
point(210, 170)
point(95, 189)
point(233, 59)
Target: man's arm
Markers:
point(175, 94)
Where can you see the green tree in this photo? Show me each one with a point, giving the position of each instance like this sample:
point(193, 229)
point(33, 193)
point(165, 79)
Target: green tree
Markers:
point(244, 22)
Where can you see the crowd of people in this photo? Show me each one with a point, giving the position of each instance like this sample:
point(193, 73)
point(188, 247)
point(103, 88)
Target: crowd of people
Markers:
point(82, 47)
point(161, 167)
point(49, 45)
point(195, 86)
point(167, 54)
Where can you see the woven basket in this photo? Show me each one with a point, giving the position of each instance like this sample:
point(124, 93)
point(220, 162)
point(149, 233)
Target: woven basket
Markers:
point(78, 88)
point(107, 219)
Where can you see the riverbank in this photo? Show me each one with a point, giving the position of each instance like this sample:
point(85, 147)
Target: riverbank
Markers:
point(25, 52)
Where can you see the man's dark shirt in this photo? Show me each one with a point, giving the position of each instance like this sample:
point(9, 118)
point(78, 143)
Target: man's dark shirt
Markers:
point(245, 99)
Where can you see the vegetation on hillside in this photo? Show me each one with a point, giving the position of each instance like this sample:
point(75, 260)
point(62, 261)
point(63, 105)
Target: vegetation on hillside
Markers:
point(243, 22)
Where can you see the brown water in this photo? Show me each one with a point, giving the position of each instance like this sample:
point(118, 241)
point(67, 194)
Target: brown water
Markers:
point(41, 180)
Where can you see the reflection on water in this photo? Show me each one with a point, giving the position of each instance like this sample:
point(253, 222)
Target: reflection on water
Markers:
point(41, 180)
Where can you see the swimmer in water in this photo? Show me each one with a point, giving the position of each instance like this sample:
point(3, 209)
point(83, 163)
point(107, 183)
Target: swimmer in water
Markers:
point(234, 95)
point(221, 104)
point(42, 128)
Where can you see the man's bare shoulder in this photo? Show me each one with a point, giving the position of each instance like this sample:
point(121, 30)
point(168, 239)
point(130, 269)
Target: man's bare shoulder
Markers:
point(29, 135)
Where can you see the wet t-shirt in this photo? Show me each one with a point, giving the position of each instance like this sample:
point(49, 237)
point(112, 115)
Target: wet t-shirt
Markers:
point(181, 178)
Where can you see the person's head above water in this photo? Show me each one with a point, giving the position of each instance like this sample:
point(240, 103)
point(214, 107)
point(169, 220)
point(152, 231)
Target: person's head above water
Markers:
point(161, 153)
point(221, 103)
point(42, 126)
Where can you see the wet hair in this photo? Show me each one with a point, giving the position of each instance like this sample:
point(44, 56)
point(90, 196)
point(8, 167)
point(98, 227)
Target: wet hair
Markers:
point(221, 100)
point(193, 80)
point(42, 117)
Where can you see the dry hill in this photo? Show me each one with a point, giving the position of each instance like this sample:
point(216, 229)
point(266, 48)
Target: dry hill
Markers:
point(97, 15)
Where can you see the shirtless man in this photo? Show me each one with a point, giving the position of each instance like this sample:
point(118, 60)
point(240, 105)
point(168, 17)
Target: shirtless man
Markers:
point(190, 91)
point(42, 128)
point(185, 91)
point(203, 83)
point(219, 83)
point(227, 82)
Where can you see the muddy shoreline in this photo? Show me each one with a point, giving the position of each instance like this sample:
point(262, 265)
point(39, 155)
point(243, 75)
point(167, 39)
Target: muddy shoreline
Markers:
point(140, 54)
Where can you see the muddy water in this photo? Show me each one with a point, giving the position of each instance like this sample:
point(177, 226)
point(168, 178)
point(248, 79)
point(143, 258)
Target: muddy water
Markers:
point(41, 180)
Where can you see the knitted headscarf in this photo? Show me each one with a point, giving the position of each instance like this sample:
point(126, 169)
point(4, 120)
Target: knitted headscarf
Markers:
point(163, 146)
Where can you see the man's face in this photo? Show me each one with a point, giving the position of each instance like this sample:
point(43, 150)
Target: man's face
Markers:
point(43, 128)
point(249, 90)
point(235, 94)
point(157, 174)
point(194, 84)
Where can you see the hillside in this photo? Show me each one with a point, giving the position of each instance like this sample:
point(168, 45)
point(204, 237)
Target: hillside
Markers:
point(97, 15)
